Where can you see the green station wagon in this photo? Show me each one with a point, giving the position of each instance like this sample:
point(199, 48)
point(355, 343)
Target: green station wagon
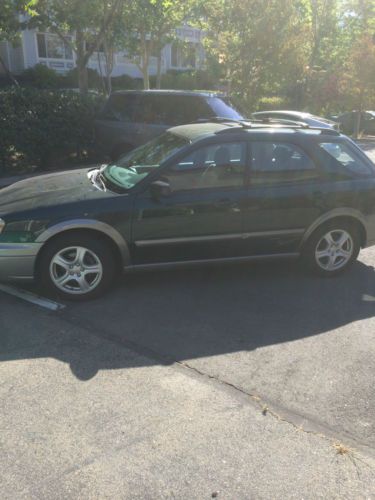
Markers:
point(217, 191)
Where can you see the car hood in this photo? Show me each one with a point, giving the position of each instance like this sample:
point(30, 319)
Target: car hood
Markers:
point(48, 190)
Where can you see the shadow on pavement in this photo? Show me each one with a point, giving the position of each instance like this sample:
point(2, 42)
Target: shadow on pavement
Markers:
point(180, 315)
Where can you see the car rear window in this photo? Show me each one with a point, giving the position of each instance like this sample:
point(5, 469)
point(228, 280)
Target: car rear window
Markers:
point(224, 108)
point(345, 156)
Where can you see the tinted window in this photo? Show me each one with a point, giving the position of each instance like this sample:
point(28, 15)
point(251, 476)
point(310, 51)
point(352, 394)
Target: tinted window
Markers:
point(344, 157)
point(275, 162)
point(215, 166)
point(172, 109)
point(121, 107)
point(223, 108)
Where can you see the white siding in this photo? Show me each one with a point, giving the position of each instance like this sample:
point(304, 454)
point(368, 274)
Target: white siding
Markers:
point(30, 48)
point(26, 56)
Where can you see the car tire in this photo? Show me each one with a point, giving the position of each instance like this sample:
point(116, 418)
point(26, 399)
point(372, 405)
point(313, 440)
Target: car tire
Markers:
point(332, 248)
point(76, 267)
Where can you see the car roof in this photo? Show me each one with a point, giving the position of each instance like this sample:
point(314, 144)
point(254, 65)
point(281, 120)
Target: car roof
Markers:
point(283, 112)
point(196, 131)
point(170, 92)
point(298, 114)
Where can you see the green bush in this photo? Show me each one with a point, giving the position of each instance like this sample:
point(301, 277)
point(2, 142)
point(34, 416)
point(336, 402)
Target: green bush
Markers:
point(41, 128)
point(272, 103)
point(126, 82)
point(187, 80)
point(40, 76)
point(70, 80)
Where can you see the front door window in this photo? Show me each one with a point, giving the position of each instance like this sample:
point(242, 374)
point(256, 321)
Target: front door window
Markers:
point(215, 166)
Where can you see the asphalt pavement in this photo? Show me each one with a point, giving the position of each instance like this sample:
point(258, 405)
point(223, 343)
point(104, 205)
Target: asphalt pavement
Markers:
point(233, 382)
point(237, 382)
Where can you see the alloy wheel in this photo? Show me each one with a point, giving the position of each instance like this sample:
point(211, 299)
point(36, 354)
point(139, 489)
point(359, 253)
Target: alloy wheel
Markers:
point(334, 250)
point(76, 270)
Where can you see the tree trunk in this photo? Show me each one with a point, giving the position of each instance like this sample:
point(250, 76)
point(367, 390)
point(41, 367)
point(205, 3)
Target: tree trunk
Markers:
point(83, 82)
point(102, 82)
point(146, 77)
point(158, 71)
point(7, 72)
point(144, 61)
point(109, 55)
point(357, 124)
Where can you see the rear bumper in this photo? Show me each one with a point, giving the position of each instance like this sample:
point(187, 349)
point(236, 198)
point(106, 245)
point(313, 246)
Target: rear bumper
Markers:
point(17, 260)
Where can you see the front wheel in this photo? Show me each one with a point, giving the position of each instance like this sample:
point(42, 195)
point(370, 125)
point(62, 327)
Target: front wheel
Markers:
point(76, 268)
point(332, 249)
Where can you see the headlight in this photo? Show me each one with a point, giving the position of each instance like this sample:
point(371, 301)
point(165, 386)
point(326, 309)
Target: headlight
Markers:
point(2, 225)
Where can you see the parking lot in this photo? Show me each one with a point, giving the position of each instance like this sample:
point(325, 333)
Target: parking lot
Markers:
point(235, 382)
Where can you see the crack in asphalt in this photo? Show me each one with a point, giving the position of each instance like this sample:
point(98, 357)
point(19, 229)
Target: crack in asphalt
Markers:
point(341, 449)
point(267, 407)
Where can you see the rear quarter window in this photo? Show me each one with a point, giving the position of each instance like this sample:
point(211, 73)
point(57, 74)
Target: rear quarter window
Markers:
point(120, 107)
point(344, 157)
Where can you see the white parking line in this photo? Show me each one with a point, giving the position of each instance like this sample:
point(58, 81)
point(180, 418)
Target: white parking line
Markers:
point(32, 297)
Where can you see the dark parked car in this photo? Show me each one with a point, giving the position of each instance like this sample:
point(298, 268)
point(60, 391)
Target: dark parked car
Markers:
point(131, 118)
point(299, 116)
point(348, 122)
point(199, 193)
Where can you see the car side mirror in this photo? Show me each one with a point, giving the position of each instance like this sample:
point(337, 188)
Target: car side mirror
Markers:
point(160, 189)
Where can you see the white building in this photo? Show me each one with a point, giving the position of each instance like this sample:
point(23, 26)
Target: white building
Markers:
point(37, 47)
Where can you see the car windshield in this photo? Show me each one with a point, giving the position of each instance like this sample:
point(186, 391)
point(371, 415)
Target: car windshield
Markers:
point(130, 169)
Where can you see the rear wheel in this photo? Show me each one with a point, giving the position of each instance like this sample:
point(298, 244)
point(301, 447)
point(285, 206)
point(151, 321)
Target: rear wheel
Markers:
point(332, 248)
point(77, 267)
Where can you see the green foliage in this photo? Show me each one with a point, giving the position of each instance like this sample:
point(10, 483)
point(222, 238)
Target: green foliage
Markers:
point(188, 80)
point(89, 20)
point(148, 25)
point(9, 21)
point(126, 82)
point(271, 103)
point(70, 80)
point(312, 53)
point(40, 128)
point(42, 77)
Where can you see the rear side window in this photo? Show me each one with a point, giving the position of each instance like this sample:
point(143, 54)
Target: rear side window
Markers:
point(345, 157)
point(279, 162)
point(172, 110)
point(121, 107)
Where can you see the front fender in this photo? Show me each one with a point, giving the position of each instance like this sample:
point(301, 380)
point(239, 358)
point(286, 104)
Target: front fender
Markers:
point(90, 224)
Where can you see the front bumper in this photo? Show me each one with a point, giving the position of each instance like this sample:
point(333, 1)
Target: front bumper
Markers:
point(17, 260)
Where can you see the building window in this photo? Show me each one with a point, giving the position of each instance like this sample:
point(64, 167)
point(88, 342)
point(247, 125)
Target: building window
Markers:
point(50, 46)
point(183, 57)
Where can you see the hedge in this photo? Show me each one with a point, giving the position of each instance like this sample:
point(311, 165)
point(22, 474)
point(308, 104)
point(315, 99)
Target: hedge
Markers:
point(42, 128)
